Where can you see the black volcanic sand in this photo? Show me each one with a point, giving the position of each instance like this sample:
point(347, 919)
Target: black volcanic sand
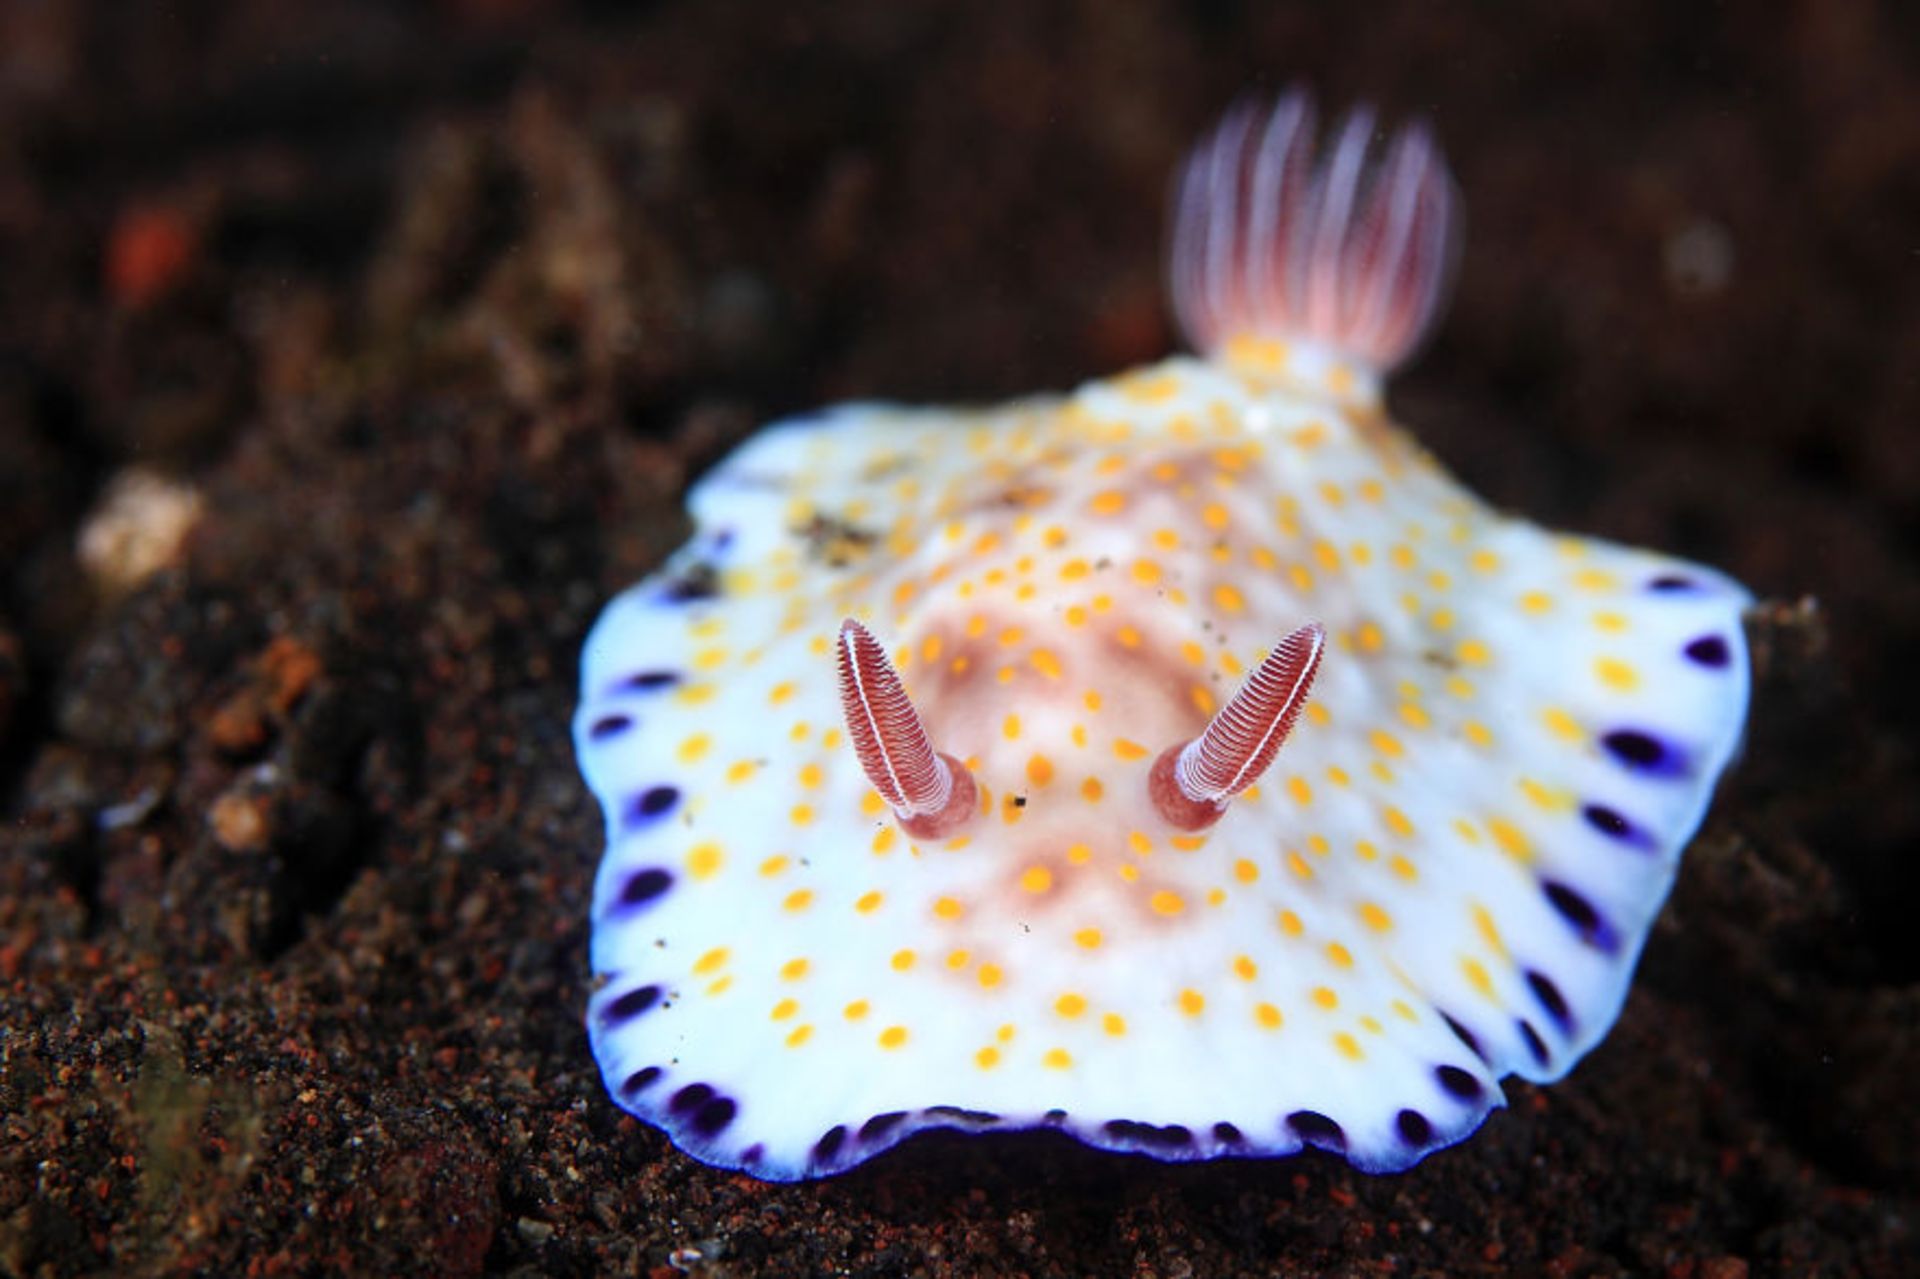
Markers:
point(441, 306)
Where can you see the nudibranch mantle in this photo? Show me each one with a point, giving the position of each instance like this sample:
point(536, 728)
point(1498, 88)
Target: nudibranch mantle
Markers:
point(1445, 877)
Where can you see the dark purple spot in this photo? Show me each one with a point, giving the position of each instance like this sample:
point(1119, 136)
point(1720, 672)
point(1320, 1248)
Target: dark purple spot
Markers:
point(714, 1116)
point(964, 1115)
point(1708, 650)
point(1414, 1128)
point(1170, 1137)
point(651, 805)
point(1581, 914)
point(1535, 1044)
point(645, 886)
point(701, 582)
point(880, 1125)
point(1550, 998)
point(649, 681)
point(1464, 1035)
point(753, 1154)
point(640, 1080)
point(1644, 753)
point(829, 1143)
point(630, 1005)
point(1671, 582)
point(1611, 823)
point(1227, 1135)
point(691, 1098)
point(1054, 1118)
point(1316, 1129)
point(1459, 1083)
point(609, 726)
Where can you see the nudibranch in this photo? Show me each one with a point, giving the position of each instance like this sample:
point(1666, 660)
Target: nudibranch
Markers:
point(1187, 763)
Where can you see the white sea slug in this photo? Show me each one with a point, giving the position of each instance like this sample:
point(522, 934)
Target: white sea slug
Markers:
point(940, 771)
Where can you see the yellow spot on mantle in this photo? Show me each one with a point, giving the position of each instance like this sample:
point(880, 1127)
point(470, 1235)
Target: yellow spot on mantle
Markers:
point(1476, 974)
point(1512, 840)
point(1554, 801)
point(1616, 674)
point(1561, 724)
point(705, 860)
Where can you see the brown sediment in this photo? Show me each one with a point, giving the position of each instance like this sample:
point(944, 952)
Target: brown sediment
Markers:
point(293, 954)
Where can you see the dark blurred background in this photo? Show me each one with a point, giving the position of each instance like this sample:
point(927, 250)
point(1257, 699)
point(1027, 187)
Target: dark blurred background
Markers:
point(351, 355)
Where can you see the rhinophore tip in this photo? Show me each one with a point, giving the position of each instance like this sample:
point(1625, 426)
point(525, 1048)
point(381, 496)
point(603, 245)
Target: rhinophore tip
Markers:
point(1191, 783)
point(931, 794)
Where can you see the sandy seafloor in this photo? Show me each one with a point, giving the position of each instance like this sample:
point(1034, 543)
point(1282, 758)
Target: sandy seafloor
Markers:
point(437, 307)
